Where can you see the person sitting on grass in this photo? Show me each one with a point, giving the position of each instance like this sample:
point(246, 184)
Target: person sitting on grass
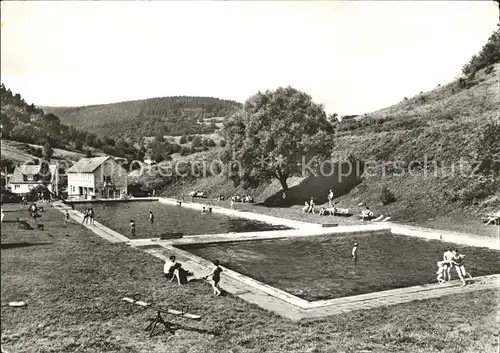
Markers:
point(306, 207)
point(173, 270)
point(366, 214)
point(458, 263)
point(91, 216)
point(132, 227)
point(323, 211)
point(215, 274)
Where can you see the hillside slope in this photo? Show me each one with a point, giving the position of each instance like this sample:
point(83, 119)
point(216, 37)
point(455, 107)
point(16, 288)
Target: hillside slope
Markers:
point(141, 118)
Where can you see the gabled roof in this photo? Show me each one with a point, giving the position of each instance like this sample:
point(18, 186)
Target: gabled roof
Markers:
point(17, 176)
point(87, 165)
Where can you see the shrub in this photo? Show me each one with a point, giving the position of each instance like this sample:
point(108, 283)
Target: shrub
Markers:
point(222, 143)
point(489, 54)
point(387, 196)
point(183, 140)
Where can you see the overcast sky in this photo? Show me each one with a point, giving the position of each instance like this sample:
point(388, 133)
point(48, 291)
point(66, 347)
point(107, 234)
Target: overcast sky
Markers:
point(353, 57)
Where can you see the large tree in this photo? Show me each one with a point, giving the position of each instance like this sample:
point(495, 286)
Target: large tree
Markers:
point(275, 133)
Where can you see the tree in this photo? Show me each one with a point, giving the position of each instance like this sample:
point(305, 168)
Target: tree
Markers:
point(45, 175)
point(275, 133)
point(88, 153)
point(78, 144)
point(48, 152)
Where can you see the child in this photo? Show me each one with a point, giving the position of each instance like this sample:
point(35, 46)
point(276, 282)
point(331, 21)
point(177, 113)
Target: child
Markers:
point(441, 271)
point(132, 227)
point(66, 217)
point(354, 253)
point(215, 277)
point(306, 207)
point(311, 206)
point(171, 269)
point(151, 217)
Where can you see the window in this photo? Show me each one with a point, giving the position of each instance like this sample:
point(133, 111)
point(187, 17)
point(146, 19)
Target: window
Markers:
point(25, 177)
point(16, 187)
point(107, 178)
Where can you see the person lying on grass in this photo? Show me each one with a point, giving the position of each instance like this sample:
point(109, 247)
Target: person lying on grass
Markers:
point(458, 263)
point(215, 274)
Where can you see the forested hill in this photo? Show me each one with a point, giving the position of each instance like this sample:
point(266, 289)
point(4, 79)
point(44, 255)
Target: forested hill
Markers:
point(140, 118)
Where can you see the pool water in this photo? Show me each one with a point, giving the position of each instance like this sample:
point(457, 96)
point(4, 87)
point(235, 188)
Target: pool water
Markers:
point(317, 268)
point(168, 219)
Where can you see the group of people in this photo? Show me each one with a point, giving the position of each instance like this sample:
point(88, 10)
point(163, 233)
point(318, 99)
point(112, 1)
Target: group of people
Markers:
point(452, 259)
point(33, 210)
point(174, 271)
point(88, 216)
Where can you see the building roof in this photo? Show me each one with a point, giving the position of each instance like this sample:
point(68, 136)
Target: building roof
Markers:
point(88, 165)
point(17, 176)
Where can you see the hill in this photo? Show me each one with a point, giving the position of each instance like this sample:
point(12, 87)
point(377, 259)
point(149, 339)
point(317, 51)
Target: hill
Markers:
point(430, 158)
point(133, 120)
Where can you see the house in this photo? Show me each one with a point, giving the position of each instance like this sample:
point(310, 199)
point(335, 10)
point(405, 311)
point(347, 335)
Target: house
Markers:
point(25, 178)
point(99, 177)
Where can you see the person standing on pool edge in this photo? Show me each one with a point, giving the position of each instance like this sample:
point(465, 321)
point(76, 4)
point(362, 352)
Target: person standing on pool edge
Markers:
point(354, 252)
point(215, 274)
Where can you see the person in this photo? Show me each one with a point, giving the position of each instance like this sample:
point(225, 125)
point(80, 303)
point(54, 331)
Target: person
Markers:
point(322, 211)
point(330, 198)
point(354, 252)
point(306, 207)
point(494, 218)
point(203, 210)
point(91, 215)
point(232, 204)
point(447, 263)
point(458, 263)
point(151, 217)
point(311, 206)
point(85, 216)
point(173, 270)
point(3, 214)
point(441, 271)
point(132, 227)
point(66, 217)
point(366, 214)
point(215, 274)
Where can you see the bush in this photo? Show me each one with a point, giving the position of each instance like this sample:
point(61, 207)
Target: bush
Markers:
point(387, 196)
point(78, 145)
point(222, 143)
point(183, 140)
point(489, 54)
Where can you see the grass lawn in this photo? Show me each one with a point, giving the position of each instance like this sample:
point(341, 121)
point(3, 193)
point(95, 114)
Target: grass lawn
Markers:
point(321, 267)
point(73, 283)
point(169, 219)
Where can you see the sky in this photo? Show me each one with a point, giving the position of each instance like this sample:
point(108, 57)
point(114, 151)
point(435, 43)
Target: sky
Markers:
point(353, 57)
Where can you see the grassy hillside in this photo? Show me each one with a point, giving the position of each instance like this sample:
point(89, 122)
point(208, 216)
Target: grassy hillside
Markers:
point(19, 152)
point(141, 118)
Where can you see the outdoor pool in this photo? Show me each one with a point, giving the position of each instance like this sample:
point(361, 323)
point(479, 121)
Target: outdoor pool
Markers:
point(168, 218)
point(318, 268)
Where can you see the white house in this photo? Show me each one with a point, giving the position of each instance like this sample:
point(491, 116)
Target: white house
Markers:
point(27, 177)
point(99, 177)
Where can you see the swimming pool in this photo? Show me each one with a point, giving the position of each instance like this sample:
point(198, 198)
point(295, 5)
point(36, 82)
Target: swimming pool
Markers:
point(117, 216)
point(318, 268)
